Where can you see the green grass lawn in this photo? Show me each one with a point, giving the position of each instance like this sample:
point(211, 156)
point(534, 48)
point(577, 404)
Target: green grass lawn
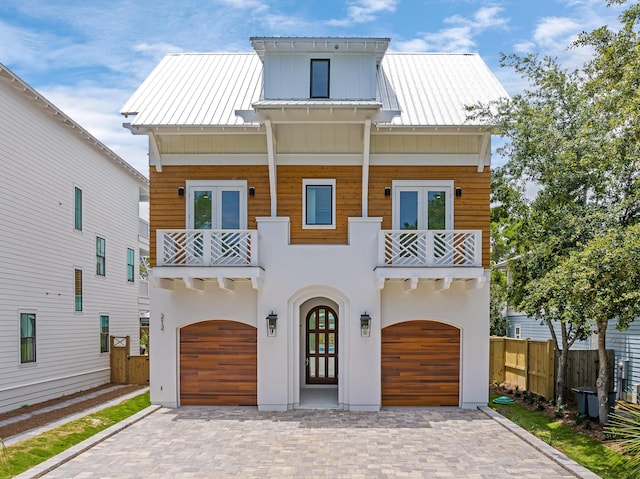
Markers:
point(591, 453)
point(24, 455)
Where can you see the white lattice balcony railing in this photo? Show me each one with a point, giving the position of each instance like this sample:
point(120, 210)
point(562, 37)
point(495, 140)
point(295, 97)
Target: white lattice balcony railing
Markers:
point(207, 247)
point(430, 248)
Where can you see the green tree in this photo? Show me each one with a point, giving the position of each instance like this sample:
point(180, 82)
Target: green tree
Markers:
point(601, 282)
point(576, 136)
point(546, 148)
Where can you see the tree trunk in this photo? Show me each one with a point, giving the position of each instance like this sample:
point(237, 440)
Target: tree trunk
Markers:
point(603, 373)
point(560, 374)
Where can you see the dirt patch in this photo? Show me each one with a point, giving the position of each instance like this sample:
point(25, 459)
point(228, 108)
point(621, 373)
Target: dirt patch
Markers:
point(568, 416)
point(40, 419)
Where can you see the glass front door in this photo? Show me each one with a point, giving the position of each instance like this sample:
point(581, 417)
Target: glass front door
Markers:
point(219, 207)
point(321, 332)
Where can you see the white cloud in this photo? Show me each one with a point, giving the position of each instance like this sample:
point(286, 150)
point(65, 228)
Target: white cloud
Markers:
point(460, 37)
point(255, 5)
point(364, 11)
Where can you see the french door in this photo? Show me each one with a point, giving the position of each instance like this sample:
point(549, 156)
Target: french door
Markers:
point(321, 330)
point(422, 205)
point(217, 205)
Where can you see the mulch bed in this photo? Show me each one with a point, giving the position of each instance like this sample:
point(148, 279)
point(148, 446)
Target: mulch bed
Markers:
point(38, 420)
point(569, 416)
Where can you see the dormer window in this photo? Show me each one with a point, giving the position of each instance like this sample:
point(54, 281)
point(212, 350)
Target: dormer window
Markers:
point(319, 78)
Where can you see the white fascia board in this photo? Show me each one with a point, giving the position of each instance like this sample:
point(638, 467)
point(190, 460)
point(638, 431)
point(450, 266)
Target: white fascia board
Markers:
point(466, 272)
point(214, 159)
point(204, 272)
point(385, 159)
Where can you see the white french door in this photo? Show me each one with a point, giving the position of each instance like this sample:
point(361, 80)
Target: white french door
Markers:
point(422, 205)
point(217, 205)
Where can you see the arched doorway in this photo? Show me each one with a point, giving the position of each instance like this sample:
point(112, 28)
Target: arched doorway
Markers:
point(321, 346)
point(319, 354)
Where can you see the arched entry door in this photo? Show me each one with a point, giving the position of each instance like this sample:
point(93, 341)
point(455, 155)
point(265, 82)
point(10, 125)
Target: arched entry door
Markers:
point(321, 333)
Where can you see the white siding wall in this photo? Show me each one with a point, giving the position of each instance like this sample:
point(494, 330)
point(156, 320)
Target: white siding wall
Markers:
point(287, 76)
point(42, 161)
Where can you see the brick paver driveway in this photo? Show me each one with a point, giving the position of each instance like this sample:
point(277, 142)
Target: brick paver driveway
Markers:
point(234, 443)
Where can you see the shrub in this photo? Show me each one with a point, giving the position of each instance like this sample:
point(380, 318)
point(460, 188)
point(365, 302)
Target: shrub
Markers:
point(624, 426)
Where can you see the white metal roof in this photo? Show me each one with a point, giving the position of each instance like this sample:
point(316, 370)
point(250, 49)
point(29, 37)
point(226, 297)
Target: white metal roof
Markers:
point(193, 90)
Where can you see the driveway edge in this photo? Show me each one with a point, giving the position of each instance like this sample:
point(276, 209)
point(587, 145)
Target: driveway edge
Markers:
point(65, 456)
point(558, 457)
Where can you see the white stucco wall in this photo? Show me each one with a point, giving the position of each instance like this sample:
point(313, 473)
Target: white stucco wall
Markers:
point(295, 276)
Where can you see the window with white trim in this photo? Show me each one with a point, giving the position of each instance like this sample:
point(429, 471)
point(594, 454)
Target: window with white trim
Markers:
point(77, 279)
point(104, 333)
point(422, 205)
point(319, 203)
point(517, 331)
point(101, 258)
point(217, 205)
point(27, 337)
point(131, 265)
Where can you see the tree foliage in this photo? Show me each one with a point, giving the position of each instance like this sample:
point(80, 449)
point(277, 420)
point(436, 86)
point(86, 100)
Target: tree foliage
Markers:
point(575, 135)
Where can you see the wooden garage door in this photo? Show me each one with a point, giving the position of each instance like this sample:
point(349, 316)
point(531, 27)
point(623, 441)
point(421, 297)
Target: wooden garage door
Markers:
point(420, 364)
point(218, 364)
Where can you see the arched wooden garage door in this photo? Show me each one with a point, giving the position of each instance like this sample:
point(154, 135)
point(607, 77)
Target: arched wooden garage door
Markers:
point(420, 364)
point(218, 364)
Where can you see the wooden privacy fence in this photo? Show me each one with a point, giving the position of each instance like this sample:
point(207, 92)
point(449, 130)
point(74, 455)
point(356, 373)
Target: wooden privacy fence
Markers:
point(531, 365)
point(125, 368)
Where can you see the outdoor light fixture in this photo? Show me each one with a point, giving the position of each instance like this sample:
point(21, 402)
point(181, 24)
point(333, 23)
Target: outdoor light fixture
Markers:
point(365, 325)
point(271, 324)
point(458, 192)
point(387, 191)
point(180, 191)
point(252, 191)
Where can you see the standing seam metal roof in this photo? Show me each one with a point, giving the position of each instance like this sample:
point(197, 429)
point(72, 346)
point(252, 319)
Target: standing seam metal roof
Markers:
point(205, 89)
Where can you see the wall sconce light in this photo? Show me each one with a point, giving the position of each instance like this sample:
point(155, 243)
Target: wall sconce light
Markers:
point(271, 324)
point(365, 325)
point(387, 191)
point(252, 191)
point(180, 191)
point(458, 192)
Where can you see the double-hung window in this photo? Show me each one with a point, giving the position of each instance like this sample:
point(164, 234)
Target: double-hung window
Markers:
point(101, 251)
point(78, 209)
point(78, 289)
point(319, 203)
point(104, 333)
point(319, 87)
point(131, 265)
point(27, 337)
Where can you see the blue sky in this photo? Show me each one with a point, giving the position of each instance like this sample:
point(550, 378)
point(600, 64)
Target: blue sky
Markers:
point(89, 56)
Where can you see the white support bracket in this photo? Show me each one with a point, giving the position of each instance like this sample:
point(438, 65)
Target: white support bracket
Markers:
point(482, 153)
point(256, 283)
point(194, 283)
point(155, 158)
point(443, 284)
point(411, 283)
point(476, 283)
point(164, 283)
point(381, 283)
point(226, 283)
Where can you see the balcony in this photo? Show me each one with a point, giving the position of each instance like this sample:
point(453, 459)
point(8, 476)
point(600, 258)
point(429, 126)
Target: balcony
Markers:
point(227, 255)
point(441, 255)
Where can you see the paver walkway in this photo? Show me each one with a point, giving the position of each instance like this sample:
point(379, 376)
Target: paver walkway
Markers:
point(433, 443)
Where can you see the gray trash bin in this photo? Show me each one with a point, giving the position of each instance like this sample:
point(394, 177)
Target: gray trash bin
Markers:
point(587, 399)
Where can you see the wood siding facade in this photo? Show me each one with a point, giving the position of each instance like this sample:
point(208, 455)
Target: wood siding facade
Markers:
point(471, 210)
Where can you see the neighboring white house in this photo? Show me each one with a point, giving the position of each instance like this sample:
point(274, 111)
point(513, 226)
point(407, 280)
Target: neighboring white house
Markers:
point(319, 226)
point(69, 250)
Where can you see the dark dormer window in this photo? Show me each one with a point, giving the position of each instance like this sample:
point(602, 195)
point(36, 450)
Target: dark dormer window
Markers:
point(319, 78)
